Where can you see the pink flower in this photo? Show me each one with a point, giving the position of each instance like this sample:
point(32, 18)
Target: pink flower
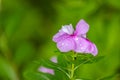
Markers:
point(46, 70)
point(68, 39)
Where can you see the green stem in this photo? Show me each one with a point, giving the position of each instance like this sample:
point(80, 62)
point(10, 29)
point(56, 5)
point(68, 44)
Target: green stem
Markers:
point(73, 67)
point(72, 72)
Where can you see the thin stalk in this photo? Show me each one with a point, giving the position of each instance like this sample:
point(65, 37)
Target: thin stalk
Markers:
point(73, 67)
point(72, 72)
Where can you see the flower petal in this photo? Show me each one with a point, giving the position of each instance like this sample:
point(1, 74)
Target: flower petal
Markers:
point(90, 47)
point(95, 51)
point(46, 70)
point(66, 45)
point(54, 59)
point(82, 27)
point(81, 44)
point(68, 29)
point(60, 36)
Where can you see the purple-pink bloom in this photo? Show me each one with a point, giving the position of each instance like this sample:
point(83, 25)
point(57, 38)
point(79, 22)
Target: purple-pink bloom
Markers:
point(68, 39)
point(46, 70)
point(54, 59)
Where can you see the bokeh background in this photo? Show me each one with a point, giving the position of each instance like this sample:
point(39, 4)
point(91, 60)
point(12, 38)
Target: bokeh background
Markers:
point(27, 28)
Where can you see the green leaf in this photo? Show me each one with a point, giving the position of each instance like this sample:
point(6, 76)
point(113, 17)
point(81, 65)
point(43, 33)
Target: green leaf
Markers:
point(87, 59)
point(36, 76)
point(59, 72)
point(56, 66)
point(63, 60)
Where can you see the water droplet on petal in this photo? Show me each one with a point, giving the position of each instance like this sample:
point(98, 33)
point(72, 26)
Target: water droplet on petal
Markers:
point(62, 44)
point(76, 38)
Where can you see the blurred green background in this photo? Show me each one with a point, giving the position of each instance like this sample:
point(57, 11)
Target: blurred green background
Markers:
point(27, 28)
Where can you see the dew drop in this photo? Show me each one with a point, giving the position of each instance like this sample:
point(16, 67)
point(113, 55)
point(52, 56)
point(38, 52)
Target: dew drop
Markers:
point(62, 44)
point(76, 39)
